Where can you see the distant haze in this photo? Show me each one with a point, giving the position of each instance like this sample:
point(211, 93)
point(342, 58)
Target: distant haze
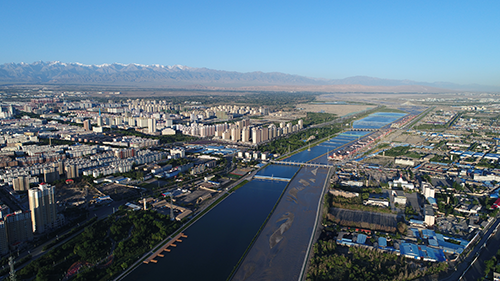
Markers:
point(59, 73)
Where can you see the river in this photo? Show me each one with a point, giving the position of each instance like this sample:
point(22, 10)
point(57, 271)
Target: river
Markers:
point(216, 242)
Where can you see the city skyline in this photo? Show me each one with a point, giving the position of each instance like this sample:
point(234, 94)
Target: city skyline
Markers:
point(411, 175)
point(423, 41)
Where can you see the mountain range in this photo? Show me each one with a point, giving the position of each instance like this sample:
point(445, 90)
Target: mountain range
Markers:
point(117, 74)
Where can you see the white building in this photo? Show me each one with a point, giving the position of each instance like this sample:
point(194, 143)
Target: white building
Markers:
point(429, 217)
point(428, 190)
point(399, 197)
point(151, 125)
point(43, 207)
point(401, 183)
point(178, 151)
point(404, 161)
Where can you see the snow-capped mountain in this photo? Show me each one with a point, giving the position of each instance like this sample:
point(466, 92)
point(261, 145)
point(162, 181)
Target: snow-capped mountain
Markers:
point(178, 75)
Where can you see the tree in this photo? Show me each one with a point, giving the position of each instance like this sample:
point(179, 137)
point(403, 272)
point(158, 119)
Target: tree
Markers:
point(124, 265)
point(402, 228)
point(410, 174)
point(427, 178)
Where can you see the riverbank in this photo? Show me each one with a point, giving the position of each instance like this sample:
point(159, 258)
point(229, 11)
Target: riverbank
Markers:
point(278, 252)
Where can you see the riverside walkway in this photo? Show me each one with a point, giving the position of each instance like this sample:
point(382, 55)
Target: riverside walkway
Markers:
point(165, 248)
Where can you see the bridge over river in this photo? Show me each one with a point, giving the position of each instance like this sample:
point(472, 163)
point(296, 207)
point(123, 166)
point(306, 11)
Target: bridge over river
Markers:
point(302, 164)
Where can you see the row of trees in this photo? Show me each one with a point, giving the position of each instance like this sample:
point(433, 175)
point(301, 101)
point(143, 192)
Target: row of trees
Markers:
point(270, 99)
point(296, 141)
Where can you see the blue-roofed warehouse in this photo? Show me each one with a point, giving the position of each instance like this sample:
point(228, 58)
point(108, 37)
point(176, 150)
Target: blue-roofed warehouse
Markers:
point(382, 242)
point(415, 232)
point(431, 254)
point(361, 239)
point(409, 250)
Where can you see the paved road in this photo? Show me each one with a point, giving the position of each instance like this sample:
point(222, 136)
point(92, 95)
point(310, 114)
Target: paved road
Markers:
point(473, 266)
point(485, 252)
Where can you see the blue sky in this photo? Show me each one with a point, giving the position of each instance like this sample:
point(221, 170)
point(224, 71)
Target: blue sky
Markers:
point(453, 41)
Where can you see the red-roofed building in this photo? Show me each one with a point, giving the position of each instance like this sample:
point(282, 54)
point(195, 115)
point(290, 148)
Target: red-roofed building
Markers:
point(496, 204)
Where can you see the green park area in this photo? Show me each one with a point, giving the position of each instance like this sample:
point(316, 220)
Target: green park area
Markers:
point(297, 140)
point(356, 203)
point(104, 249)
point(402, 151)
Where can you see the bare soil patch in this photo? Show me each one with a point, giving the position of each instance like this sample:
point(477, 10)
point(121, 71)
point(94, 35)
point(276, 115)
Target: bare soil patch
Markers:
point(338, 109)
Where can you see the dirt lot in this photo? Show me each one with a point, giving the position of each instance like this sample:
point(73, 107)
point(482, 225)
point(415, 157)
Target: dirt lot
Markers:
point(339, 109)
point(409, 138)
point(119, 192)
point(72, 193)
point(379, 160)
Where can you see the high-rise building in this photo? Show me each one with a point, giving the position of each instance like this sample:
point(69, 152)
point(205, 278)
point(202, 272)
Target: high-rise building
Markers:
point(21, 183)
point(256, 135)
point(131, 121)
point(19, 227)
point(118, 121)
point(264, 134)
point(50, 174)
point(43, 207)
point(236, 134)
point(245, 135)
point(4, 210)
point(60, 167)
point(151, 125)
point(71, 171)
point(4, 244)
point(141, 122)
point(87, 126)
point(272, 132)
point(245, 122)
